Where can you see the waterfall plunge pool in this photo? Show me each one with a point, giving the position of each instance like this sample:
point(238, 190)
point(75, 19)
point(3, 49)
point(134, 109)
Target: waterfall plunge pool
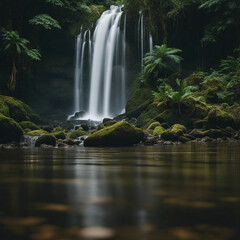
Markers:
point(163, 192)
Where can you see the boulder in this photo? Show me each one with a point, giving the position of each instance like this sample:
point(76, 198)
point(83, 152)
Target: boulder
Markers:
point(168, 135)
point(10, 130)
point(75, 134)
point(17, 110)
point(120, 134)
point(158, 131)
point(218, 117)
point(59, 135)
point(178, 129)
point(46, 140)
point(37, 132)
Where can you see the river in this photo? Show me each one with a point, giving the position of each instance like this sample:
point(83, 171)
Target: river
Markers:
point(189, 192)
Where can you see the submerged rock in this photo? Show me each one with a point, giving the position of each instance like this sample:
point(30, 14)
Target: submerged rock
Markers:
point(119, 134)
point(9, 130)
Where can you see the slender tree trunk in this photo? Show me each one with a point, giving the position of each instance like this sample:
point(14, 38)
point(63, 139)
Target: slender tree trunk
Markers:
point(12, 79)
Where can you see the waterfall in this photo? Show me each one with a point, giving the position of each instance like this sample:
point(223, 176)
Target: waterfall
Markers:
point(150, 42)
point(77, 73)
point(100, 82)
point(141, 37)
point(143, 48)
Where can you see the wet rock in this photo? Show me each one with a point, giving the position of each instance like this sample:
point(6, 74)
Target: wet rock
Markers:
point(119, 134)
point(69, 142)
point(46, 140)
point(9, 130)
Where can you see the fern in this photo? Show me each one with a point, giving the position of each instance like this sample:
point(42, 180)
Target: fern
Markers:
point(45, 21)
point(34, 54)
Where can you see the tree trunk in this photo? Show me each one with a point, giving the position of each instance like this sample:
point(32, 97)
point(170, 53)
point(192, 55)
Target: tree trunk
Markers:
point(12, 79)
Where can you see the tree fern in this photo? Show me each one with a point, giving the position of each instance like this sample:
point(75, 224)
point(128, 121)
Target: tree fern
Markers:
point(45, 21)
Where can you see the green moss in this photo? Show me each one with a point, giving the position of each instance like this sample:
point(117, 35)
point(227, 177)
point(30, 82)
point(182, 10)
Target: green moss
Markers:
point(198, 133)
point(29, 125)
point(217, 117)
point(59, 135)
point(46, 139)
point(75, 134)
point(10, 130)
point(37, 132)
point(103, 125)
point(178, 129)
point(214, 133)
point(150, 113)
point(153, 125)
point(17, 110)
point(158, 131)
point(119, 134)
point(139, 97)
point(27, 130)
point(57, 129)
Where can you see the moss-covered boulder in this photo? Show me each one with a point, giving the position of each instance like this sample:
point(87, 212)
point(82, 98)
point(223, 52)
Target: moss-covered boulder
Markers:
point(119, 134)
point(59, 135)
point(75, 134)
point(158, 131)
point(215, 133)
point(10, 130)
point(178, 129)
point(168, 135)
point(56, 129)
point(46, 139)
point(37, 132)
point(29, 125)
point(17, 110)
point(153, 125)
point(198, 133)
point(218, 117)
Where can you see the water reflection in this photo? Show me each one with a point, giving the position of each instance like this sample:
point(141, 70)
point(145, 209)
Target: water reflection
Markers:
point(170, 192)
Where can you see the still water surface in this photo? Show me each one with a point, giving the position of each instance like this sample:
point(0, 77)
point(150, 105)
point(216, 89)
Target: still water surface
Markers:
point(189, 192)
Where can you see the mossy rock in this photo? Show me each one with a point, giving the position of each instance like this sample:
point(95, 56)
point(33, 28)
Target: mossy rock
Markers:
point(57, 129)
point(150, 113)
point(10, 130)
point(198, 133)
point(153, 125)
point(217, 117)
point(17, 110)
point(103, 125)
point(59, 135)
point(168, 135)
point(75, 134)
point(178, 129)
point(37, 132)
point(29, 125)
point(158, 131)
point(189, 136)
point(140, 96)
point(46, 139)
point(120, 134)
point(215, 133)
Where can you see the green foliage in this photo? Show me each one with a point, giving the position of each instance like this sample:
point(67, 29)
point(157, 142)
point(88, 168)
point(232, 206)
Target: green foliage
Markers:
point(224, 15)
point(161, 61)
point(45, 21)
point(14, 46)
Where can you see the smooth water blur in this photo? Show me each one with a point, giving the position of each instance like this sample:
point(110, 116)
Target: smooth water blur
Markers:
point(188, 192)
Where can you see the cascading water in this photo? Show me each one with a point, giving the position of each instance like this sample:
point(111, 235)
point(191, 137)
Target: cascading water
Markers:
point(100, 71)
point(100, 85)
point(142, 36)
